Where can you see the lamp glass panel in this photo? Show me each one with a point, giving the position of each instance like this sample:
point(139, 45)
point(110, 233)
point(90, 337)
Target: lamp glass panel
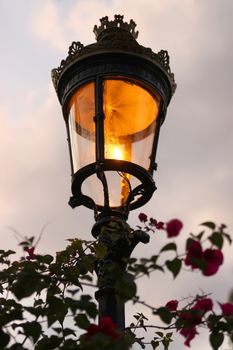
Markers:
point(130, 113)
point(82, 126)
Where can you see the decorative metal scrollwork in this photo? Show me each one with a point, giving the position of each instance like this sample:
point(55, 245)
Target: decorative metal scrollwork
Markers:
point(118, 41)
point(74, 49)
point(164, 59)
point(117, 22)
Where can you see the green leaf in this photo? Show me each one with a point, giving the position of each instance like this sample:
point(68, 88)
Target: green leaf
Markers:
point(28, 282)
point(199, 236)
point(32, 329)
point(82, 321)
point(88, 262)
point(213, 320)
point(166, 342)
point(216, 340)
point(217, 239)
point(4, 339)
point(52, 342)
point(209, 224)
point(125, 287)
point(160, 334)
point(100, 250)
point(154, 344)
point(174, 266)
point(84, 304)
point(68, 331)
point(77, 244)
point(46, 259)
point(169, 335)
point(228, 237)
point(56, 311)
point(164, 314)
point(169, 246)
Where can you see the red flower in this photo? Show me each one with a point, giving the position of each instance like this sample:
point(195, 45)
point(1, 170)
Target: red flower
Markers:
point(31, 255)
point(190, 317)
point(189, 334)
point(172, 305)
point(106, 326)
point(227, 309)
point(213, 259)
point(92, 330)
point(173, 228)
point(194, 253)
point(204, 304)
point(159, 225)
point(142, 217)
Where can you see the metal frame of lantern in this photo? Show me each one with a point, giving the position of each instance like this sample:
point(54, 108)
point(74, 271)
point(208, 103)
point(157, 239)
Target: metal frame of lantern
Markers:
point(116, 55)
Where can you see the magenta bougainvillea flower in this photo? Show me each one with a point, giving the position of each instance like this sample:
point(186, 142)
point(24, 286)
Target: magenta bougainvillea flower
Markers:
point(173, 227)
point(157, 224)
point(227, 309)
point(204, 305)
point(208, 260)
point(106, 326)
point(142, 217)
point(172, 305)
point(192, 317)
point(160, 225)
point(31, 255)
point(189, 334)
point(194, 254)
point(213, 259)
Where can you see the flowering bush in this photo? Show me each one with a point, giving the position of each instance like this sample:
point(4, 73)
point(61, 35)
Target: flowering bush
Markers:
point(43, 300)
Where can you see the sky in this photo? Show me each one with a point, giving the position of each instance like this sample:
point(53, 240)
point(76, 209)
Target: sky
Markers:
point(195, 160)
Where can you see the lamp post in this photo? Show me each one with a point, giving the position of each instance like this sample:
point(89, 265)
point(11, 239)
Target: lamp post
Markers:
point(114, 96)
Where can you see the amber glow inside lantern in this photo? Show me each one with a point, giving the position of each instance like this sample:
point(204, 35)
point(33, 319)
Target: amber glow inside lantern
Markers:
point(130, 112)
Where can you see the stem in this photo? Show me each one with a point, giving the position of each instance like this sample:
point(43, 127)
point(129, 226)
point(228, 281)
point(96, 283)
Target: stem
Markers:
point(172, 326)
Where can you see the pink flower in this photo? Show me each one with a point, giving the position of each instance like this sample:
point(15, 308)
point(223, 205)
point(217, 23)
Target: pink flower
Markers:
point(31, 255)
point(194, 253)
point(173, 228)
point(204, 304)
point(227, 309)
point(213, 259)
point(106, 326)
point(142, 217)
point(189, 334)
point(172, 305)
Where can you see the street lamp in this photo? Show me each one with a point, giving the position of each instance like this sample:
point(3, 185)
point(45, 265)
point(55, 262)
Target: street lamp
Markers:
point(114, 95)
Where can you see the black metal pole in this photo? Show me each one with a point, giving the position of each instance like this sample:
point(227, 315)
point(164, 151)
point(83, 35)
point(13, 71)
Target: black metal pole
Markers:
point(109, 305)
point(114, 265)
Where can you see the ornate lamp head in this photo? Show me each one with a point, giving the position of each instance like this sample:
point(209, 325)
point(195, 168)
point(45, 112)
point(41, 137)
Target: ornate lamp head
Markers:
point(114, 95)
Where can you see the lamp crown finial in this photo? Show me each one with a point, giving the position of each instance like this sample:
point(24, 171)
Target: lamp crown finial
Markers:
point(118, 22)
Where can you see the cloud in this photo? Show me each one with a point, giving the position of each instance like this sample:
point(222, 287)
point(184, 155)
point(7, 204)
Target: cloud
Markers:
point(46, 25)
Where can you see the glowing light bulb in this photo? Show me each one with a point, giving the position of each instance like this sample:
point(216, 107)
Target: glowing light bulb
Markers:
point(117, 152)
point(114, 152)
point(113, 149)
